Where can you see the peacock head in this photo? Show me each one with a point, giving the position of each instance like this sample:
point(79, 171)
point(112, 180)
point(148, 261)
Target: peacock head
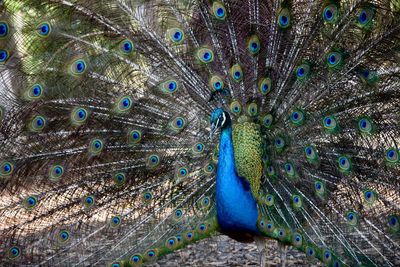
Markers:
point(219, 119)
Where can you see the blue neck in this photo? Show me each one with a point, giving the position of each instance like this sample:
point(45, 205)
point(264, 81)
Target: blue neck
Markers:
point(236, 208)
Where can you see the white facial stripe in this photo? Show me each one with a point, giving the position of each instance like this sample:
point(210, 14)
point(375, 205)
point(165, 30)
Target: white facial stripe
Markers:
point(223, 122)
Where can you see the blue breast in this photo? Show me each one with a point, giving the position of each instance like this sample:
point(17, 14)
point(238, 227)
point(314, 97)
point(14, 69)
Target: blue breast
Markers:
point(236, 207)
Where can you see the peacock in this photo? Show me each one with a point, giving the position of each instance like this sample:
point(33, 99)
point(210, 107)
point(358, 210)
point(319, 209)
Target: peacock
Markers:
point(130, 129)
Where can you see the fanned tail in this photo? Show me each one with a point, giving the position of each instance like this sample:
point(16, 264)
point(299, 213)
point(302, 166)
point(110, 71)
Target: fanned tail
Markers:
point(106, 156)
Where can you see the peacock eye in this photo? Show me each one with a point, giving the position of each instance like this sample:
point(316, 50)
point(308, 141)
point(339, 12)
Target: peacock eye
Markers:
point(393, 223)
point(284, 18)
point(169, 86)
point(88, 201)
point(127, 46)
point(202, 227)
point(370, 196)
point(252, 109)
point(119, 178)
point(198, 148)
point(6, 168)
point(365, 17)
point(44, 29)
point(172, 242)
point(318, 186)
point(115, 221)
point(303, 71)
point(151, 254)
point(352, 218)
point(35, 92)
point(3, 56)
point(344, 164)
point(334, 60)
point(178, 214)
point(172, 86)
point(311, 154)
point(392, 155)
point(205, 55)
point(265, 86)
point(182, 172)
point(216, 83)
point(179, 123)
point(270, 171)
point(4, 29)
point(330, 124)
point(267, 120)
point(297, 240)
point(175, 35)
point(236, 73)
point(218, 10)
point(153, 161)
point(297, 117)
point(290, 171)
point(30, 202)
point(14, 252)
point(209, 168)
point(136, 260)
point(63, 236)
point(279, 143)
point(300, 71)
point(365, 126)
point(134, 137)
point(38, 123)
point(330, 13)
point(235, 107)
point(148, 196)
point(96, 147)
point(270, 200)
point(296, 201)
point(281, 234)
point(319, 189)
point(78, 67)
point(253, 45)
point(56, 172)
point(79, 116)
point(123, 104)
point(327, 256)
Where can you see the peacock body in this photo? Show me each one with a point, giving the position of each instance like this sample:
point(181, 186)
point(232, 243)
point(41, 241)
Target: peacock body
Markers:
point(236, 205)
point(107, 109)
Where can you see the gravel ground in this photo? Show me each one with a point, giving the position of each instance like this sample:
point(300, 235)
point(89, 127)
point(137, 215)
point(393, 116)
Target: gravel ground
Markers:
point(223, 251)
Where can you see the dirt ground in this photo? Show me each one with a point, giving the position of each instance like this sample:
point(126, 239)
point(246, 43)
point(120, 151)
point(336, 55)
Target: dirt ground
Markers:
point(223, 251)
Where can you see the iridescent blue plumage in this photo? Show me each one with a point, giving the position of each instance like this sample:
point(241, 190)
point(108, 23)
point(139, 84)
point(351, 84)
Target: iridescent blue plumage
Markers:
point(236, 207)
